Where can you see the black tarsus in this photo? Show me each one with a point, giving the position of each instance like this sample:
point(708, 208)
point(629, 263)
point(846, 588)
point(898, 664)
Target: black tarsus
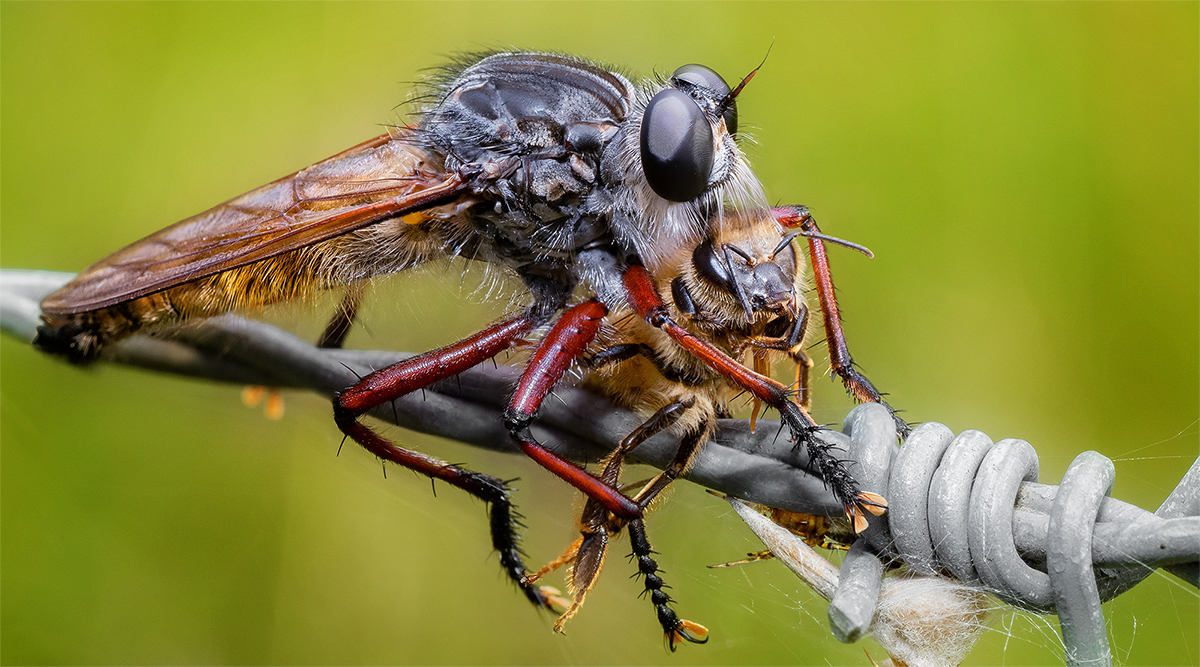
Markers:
point(648, 570)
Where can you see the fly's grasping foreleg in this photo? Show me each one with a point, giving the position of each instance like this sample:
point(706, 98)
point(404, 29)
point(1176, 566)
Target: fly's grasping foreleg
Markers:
point(840, 362)
point(644, 299)
point(566, 342)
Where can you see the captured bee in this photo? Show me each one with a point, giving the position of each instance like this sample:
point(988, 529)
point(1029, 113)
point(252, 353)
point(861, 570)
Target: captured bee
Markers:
point(549, 166)
point(741, 291)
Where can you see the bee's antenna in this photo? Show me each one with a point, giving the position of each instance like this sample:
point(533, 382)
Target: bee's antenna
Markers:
point(740, 253)
point(787, 240)
point(738, 292)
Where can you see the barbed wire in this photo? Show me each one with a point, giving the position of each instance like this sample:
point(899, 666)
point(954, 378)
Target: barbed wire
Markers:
point(963, 506)
point(958, 505)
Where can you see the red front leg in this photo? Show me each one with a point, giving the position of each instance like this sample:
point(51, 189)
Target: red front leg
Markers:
point(566, 342)
point(647, 303)
point(420, 371)
point(840, 362)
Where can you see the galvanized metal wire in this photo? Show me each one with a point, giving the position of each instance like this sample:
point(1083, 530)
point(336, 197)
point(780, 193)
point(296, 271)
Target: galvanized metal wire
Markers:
point(964, 506)
point(959, 505)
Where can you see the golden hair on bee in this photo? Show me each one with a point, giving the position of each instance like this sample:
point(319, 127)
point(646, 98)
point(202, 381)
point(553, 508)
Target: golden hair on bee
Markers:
point(740, 290)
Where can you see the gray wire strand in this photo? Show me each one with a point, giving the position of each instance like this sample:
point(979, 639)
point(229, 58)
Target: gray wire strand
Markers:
point(1088, 480)
point(958, 505)
point(761, 467)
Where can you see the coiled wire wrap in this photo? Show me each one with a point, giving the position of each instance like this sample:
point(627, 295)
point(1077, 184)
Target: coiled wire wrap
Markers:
point(972, 509)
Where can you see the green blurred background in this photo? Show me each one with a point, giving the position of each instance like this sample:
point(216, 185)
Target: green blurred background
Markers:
point(1027, 175)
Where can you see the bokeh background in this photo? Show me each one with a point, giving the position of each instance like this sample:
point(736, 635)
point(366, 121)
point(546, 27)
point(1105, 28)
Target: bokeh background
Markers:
point(1027, 175)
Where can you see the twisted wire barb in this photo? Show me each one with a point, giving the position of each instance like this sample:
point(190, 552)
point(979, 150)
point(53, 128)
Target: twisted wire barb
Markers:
point(958, 505)
point(969, 508)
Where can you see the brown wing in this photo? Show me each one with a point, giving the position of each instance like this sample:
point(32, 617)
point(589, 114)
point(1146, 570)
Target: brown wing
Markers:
point(379, 179)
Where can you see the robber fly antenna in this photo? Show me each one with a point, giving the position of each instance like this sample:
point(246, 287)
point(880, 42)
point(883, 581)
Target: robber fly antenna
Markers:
point(736, 91)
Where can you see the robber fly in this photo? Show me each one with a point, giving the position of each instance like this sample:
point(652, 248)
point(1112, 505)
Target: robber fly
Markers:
point(555, 168)
point(740, 290)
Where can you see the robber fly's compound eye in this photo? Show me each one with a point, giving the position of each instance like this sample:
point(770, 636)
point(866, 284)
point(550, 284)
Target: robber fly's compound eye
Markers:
point(677, 146)
point(699, 75)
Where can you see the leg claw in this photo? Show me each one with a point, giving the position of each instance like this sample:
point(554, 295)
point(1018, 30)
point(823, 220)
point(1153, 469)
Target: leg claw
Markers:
point(687, 631)
point(863, 503)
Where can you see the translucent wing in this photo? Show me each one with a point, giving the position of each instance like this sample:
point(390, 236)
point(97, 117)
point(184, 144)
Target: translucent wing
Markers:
point(379, 179)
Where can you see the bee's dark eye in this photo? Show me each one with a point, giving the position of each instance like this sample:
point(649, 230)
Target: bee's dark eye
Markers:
point(699, 75)
point(677, 146)
point(712, 267)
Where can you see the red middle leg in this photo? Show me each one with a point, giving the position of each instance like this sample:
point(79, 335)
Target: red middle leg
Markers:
point(563, 345)
point(420, 371)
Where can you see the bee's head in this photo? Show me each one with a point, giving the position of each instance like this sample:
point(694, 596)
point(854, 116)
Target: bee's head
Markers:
point(745, 271)
point(761, 278)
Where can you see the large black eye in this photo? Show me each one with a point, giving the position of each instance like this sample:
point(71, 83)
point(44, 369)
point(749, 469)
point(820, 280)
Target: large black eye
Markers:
point(677, 146)
point(712, 267)
point(699, 75)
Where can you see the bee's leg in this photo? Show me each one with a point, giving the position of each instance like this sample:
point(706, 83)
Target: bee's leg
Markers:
point(566, 342)
point(332, 337)
point(685, 456)
point(586, 556)
point(646, 302)
point(762, 366)
point(793, 344)
point(565, 558)
point(751, 557)
point(597, 524)
point(335, 332)
point(840, 362)
point(618, 353)
point(420, 371)
point(803, 371)
point(663, 419)
point(804, 364)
